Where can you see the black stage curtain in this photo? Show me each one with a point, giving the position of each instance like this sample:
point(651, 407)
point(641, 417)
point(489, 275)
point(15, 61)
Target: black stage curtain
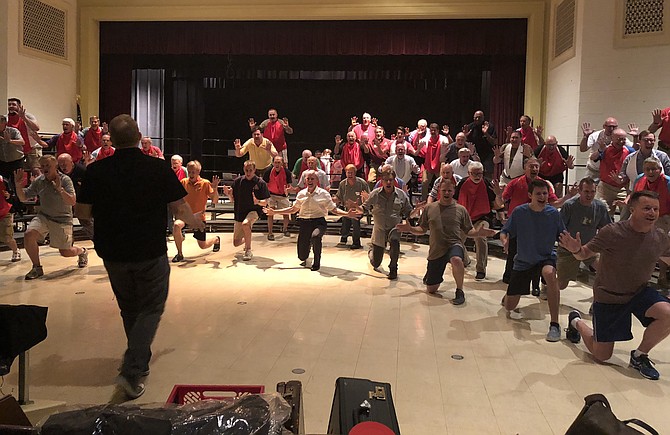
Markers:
point(220, 73)
point(317, 38)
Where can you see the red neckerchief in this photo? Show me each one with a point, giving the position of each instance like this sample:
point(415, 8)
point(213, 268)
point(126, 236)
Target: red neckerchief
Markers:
point(274, 132)
point(14, 120)
point(474, 197)
point(432, 154)
point(612, 161)
point(552, 162)
point(67, 143)
point(352, 155)
point(103, 153)
point(528, 137)
point(659, 186)
point(277, 184)
point(92, 139)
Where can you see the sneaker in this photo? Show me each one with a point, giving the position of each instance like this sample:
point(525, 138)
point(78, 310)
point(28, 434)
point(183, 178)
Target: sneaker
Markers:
point(287, 234)
point(271, 237)
point(460, 297)
point(248, 255)
point(571, 333)
point(515, 314)
point(217, 245)
point(543, 292)
point(177, 258)
point(535, 292)
point(554, 333)
point(393, 274)
point(644, 365)
point(480, 276)
point(132, 389)
point(82, 261)
point(16, 256)
point(356, 246)
point(34, 273)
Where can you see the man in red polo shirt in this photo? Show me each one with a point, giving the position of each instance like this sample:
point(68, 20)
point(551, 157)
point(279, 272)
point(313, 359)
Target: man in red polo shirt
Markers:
point(278, 180)
point(365, 129)
point(149, 149)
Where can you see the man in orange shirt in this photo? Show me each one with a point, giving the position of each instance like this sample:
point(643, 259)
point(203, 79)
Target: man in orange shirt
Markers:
point(199, 190)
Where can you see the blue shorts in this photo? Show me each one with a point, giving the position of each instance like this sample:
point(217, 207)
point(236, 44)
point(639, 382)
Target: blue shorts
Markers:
point(612, 322)
point(435, 269)
point(519, 280)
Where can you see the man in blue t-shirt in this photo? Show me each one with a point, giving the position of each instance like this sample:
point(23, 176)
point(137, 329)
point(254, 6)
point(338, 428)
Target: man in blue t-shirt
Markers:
point(536, 226)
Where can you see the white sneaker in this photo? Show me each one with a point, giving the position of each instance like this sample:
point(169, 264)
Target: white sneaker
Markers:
point(543, 292)
point(16, 256)
point(515, 314)
point(248, 255)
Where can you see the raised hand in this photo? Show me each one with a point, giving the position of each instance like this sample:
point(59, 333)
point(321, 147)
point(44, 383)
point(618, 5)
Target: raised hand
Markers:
point(56, 183)
point(573, 190)
point(338, 140)
point(496, 151)
point(105, 128)
point(586, 129)
point(227, 190)
point(466, 129)
point(572, 244)
point(215, 181)
point(656, 116)
point(238, 144)
point(538, 130)
point(364, 195)
point(495, 184)
point(285, 121)
point(374, 121)
point(445, 130)
point(354, 120)
point(633, 129)
point(616, 177)
point(22, 111)
point(18, 177)
point(407, 132)
point(252, 122)
point(485, 127)
point(570, 162)
point(509, 130)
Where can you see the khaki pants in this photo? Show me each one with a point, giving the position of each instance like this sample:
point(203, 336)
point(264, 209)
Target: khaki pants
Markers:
point(481, 247)
point(609, 194)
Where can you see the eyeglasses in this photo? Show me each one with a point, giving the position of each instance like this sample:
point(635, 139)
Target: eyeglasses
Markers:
point(476, 173)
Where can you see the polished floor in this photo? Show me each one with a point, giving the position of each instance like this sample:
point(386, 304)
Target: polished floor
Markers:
point(230, 321)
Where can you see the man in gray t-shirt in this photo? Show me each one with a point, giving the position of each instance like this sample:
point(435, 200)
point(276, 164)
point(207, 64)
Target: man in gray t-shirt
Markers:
point(57, 196)
point(585, 215)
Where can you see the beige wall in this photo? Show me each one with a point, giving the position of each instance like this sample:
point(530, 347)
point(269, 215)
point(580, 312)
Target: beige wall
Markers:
point(604, 79)
point(93, 11)
point(47, 88)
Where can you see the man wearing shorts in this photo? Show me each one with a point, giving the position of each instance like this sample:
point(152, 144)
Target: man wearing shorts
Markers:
point(57, 197)
point(536, 227)
point(278, 180)
point(628, 251)
point(199, 190)
point(447, 220)
point(248, 194)
point(585, 215)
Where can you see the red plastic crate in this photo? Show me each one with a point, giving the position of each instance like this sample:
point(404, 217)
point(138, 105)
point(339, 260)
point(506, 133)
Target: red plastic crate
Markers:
point(182, 394)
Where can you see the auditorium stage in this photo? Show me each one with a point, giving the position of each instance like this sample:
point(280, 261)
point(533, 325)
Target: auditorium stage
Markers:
point(230, 321)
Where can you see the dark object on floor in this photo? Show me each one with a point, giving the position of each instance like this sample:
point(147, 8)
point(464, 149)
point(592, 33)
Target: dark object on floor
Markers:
point(291, 391)
point(361, 400)
point(597, 418)
point(22, 326)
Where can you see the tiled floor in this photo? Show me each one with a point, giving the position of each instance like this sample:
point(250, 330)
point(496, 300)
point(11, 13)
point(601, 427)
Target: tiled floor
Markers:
point(345, 320)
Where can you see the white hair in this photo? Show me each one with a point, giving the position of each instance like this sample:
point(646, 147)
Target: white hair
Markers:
point(69, 121)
